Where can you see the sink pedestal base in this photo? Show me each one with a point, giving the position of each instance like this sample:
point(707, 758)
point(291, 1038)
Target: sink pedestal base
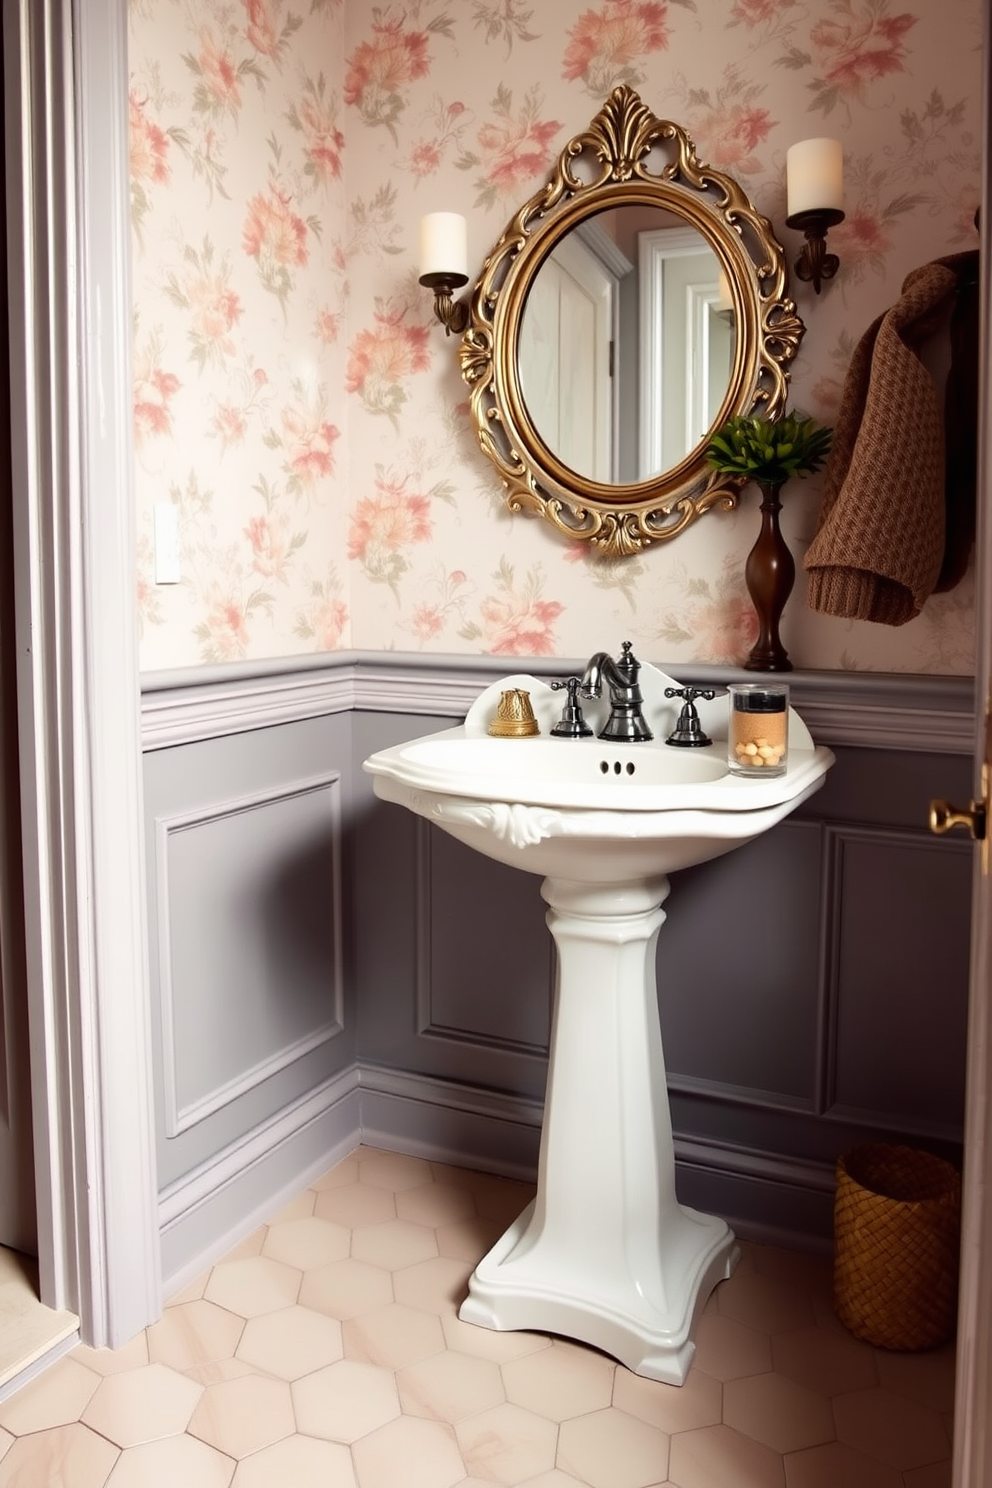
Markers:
point(606, 1253)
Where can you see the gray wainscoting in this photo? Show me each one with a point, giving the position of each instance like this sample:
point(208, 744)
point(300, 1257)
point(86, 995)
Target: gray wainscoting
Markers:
point(328, 968)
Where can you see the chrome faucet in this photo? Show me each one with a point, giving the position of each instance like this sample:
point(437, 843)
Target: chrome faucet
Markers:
point(626, 721)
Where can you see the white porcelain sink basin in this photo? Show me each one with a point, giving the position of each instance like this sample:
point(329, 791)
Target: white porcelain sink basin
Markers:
point(639, 809)
point(606, 1253)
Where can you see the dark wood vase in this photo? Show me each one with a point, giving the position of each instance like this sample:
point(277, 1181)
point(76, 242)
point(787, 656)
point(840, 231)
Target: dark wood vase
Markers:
point(769, 573)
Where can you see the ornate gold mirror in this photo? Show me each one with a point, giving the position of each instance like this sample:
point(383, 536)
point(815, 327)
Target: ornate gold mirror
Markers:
point(631, 306)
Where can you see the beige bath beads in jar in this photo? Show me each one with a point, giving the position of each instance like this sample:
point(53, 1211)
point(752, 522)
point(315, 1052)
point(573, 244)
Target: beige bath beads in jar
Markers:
point(758, 740)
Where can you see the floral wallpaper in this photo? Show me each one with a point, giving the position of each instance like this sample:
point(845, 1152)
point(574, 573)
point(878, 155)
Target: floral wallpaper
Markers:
point(299, 406)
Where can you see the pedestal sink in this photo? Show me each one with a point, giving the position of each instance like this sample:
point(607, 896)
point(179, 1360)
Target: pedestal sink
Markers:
point(605, 1253)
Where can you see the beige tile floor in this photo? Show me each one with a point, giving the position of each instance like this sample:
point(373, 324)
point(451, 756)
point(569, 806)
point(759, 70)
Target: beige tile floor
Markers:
point(325, 1352)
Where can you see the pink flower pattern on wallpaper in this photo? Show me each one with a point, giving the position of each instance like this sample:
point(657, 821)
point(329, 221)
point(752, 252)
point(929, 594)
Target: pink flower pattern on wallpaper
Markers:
point(513, 148)
point(514, 620)
point(445, 125)
point(854, 48)
point(384, 355)
point(713, 616)
point(154, 390)
point(308, 439)
point(315, 116)
point(728, 125)
point(276, 238)
point(214, 309)
point(219, 74)
point(224, 632)
point(245, 398)
point(328, 479)
point(606, 45)
point(381, 69)
point(149, 157)
point(383, 526)
point(322, 620)
point(431, 619)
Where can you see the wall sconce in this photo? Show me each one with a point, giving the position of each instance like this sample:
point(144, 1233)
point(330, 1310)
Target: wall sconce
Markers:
point(814, 172)
point(444, 266)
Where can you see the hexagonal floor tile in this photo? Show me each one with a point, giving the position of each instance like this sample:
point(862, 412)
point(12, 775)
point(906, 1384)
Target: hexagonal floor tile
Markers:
point(345, 1401)
point(346, 1289)
point(610, 1449)
point(437, 1285)
point(831, 1363)
point(449, 1387)
point(240, 1416)
point(292, 1342)
point(728, 1350)
point(70, 1454)
point(301, 1461)
point(468, 1240)
point(177, 1459)
point(56, 1398)
point(393, 1244)
point(699, 1402)
point(392, 1170)
point(778, 1412)
point(436, 1204)
point(560, 1382)
point(416, 1454)
point(194, 1333)
point(833, 1464)
point(356, 1204)
point(307, 1243)
point(507, 1444)
point(392, 1336)
point(890, 1427)
point(768, 1304)
point(718, 1455)
point(142, 1405)
point(253, 1286)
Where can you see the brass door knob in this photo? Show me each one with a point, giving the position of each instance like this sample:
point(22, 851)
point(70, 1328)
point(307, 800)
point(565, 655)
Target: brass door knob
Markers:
point(944, 817)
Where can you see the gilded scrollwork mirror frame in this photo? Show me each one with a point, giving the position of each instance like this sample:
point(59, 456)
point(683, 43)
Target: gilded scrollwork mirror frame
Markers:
point(618, 153)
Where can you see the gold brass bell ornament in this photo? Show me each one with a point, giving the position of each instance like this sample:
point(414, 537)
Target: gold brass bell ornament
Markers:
point(514, 716)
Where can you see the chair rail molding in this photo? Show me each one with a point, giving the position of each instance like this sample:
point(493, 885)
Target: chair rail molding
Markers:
point(917, 713)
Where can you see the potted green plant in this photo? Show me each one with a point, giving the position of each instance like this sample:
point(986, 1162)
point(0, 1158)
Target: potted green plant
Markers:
point(769, 452)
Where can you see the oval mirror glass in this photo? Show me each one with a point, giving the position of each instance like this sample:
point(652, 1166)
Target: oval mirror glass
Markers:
point(626, 345)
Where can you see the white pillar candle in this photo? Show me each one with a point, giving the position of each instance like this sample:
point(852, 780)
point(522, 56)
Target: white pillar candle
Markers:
point(444, 244)
point(814, 171)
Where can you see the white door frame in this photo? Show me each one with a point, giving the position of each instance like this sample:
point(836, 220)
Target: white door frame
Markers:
point(66, 99)
point(973, 1405)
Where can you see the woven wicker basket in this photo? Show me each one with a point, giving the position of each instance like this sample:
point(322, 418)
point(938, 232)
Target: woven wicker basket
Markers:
point(896, 1235)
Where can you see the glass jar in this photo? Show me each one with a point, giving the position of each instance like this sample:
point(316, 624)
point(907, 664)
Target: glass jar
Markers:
point(758, 739)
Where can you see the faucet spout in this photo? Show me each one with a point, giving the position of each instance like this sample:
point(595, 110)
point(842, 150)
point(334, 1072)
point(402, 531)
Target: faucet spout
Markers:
point(626, 722)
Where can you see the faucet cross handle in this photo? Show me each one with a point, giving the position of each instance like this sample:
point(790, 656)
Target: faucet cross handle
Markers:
point(571, 725)
point(688, 733)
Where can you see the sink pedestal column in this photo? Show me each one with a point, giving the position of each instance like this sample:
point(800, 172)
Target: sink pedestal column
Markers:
point(606, 1253)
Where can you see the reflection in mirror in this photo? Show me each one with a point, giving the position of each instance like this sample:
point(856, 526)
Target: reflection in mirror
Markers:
point(625, 354)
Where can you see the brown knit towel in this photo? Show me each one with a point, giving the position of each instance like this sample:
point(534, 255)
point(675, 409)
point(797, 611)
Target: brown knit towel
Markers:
point(878, 550)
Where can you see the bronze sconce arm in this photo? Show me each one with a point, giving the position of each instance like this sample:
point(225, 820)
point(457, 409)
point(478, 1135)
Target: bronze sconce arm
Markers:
point(814, 263)
point(452, 313)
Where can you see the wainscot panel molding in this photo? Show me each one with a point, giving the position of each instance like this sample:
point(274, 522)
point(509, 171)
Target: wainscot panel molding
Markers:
point(200, 887)
point(867, 709)
point(227, 1196)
